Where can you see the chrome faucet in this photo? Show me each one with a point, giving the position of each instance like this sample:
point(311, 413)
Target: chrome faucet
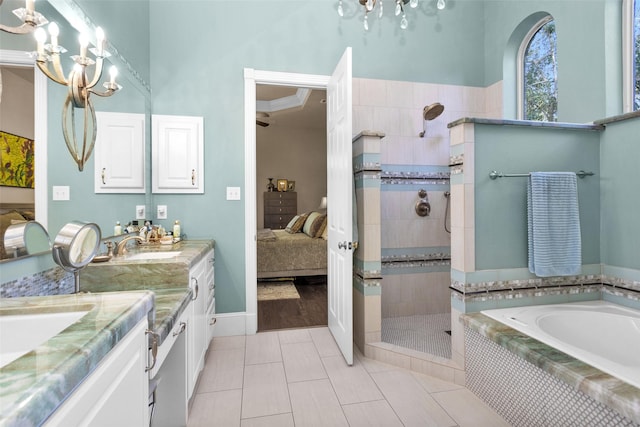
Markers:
point(121, 249)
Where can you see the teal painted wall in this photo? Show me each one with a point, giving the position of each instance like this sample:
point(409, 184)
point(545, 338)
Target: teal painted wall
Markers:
point(199, 71)
point(620, 194)
point(500, 205)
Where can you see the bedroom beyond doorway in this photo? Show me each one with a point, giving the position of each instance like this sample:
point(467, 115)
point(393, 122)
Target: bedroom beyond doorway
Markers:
point(299, 302)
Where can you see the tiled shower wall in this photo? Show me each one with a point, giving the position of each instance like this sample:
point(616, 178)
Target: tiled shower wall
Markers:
point(416, 250)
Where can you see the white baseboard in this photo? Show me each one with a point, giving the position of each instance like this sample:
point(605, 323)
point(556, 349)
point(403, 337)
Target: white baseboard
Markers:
point(229, 324)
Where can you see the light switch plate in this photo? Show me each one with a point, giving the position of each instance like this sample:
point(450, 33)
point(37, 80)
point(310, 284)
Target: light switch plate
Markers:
point(161, 212)
point(60, 192)
point(140, 212)
point(233, 193)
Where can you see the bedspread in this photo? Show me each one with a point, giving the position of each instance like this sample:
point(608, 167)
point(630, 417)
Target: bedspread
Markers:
point(291, 255)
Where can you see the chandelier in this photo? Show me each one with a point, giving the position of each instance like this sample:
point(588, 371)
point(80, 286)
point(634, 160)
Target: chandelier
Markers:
point(80, 87)
point(399, 10)
point(29, 17)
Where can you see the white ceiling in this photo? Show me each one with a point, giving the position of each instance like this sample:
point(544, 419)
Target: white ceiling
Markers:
point(311, 115)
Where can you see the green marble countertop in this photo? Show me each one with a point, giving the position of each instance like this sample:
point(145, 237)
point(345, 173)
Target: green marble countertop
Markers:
point(34, 385)
point(602, 387)
point(169, 273)
point(170, 304)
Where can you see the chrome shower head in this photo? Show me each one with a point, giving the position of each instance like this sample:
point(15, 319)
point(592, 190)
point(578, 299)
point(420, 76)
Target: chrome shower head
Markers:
point(429, 113)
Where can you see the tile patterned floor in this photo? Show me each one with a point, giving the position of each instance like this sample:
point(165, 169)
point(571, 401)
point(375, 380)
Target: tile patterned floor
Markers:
point(298, 378)
point(423, 332)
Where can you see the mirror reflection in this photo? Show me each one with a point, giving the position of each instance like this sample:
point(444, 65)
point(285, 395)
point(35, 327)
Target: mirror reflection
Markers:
point(32, 113)
point(25, 238)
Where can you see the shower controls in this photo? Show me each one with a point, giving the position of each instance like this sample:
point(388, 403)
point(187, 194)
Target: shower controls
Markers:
point(423, 207)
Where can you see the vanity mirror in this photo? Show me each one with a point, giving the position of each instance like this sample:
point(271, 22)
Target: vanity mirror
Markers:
point(73, 195)
point(75, 246)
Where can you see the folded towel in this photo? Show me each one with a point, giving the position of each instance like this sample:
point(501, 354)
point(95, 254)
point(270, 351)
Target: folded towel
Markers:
point(553, 222)
point(265, 235)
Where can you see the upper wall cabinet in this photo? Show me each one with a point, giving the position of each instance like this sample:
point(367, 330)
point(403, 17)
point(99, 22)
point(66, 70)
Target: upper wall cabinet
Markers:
point(177, 154)
point(119, 153)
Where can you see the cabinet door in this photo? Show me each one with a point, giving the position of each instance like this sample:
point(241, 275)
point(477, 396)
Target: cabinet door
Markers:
point(116, 393)
point(177, 154)
point(197, 333)
point(119, 153)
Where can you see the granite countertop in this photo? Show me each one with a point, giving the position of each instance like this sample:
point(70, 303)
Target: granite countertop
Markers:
point(152, 274)
point(35, 384)
point(170, 304)
point(602, 387)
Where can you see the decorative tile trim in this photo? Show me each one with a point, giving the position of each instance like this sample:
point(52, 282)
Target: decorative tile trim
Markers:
point(54, 281)
point(367, 287)
point(456, 160)
point(415, 177)
point(536, 283)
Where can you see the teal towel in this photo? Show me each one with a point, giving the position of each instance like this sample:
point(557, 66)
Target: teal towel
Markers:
point(553, 221)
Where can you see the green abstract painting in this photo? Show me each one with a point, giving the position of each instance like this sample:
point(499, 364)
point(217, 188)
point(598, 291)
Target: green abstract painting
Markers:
point(16, 161)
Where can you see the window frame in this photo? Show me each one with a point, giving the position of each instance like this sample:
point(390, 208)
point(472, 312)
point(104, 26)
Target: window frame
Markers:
point(627, 55)
point(520, 95)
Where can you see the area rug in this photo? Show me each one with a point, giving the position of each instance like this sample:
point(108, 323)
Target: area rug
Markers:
point(277, 290)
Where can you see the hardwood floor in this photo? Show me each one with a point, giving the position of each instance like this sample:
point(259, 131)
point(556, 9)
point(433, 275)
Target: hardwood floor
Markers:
point(307, 311)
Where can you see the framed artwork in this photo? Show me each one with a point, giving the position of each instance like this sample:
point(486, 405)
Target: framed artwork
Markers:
point(283, 184)
point(16, 161)
point(291, 186)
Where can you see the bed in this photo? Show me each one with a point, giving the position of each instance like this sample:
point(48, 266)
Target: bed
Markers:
point(285, 254)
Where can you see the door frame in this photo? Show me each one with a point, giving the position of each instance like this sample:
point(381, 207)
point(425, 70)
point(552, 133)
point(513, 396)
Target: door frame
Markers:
point(251, 79)
point(40, 129)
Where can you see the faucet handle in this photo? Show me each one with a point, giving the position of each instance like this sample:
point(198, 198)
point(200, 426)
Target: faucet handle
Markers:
point(110, 247)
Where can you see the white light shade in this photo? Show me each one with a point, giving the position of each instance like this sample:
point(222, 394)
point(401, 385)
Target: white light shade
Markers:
point(323, 203)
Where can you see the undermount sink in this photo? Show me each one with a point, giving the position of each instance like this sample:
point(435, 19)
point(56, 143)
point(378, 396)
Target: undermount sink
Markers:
point(153, 255)
point(21, 333)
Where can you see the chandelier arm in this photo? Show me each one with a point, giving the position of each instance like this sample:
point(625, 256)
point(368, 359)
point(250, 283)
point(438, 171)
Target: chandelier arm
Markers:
point(104, 94)
point(42, 65)
point(94, 131)
point(25, 28)
point(55, 59)
point(98, 72)
point(70, 139)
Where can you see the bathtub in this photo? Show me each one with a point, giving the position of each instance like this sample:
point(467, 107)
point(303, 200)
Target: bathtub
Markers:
point(599, 333)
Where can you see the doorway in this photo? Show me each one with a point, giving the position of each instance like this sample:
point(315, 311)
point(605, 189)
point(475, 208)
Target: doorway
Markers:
point(291, 145)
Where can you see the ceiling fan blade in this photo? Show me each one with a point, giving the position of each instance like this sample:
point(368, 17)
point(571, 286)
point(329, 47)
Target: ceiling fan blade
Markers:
point(261, 123)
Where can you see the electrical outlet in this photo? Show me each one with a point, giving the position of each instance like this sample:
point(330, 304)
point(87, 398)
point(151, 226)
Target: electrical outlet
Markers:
point(233, 193)
point(60, 192)
point(161, 212)
point(141, 212)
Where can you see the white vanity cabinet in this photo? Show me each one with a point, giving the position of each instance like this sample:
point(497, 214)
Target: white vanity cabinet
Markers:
point(198, 334)
point(177, 154)
point(116, 393)
point(119, 153)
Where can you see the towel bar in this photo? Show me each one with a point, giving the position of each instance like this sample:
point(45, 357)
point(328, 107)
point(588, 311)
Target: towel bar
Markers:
point(496, 174)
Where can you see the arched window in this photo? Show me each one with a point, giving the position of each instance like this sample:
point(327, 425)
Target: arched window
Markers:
point(538, 73)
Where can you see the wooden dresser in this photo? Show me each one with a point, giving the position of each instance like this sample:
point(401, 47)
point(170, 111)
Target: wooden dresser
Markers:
point(279, 208)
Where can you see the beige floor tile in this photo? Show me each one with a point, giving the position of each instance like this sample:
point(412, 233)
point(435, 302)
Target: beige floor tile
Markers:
point(262, 348)
point(315, 404)
point(434, 385)
point(352, 384)
point(280, 420)
point(264, 391)
point(371, 414)
point(221, 408)
point(223, 370)
point(372, 365)
point(302, 362)
point(468, 410)
point(294, 335)
point(412, 403)
point(227, 343)
point(324, 342)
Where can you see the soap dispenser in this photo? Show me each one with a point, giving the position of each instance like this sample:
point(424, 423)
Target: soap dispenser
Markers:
point(176, 230)
point(117, 230)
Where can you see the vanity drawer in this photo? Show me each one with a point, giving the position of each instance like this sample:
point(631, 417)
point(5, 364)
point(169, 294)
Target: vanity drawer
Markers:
point(178, 329)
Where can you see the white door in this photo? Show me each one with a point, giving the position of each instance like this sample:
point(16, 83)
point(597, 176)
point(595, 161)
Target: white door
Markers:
point(339, 179)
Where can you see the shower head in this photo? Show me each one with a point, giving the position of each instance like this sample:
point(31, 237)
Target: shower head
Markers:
point(429, 113)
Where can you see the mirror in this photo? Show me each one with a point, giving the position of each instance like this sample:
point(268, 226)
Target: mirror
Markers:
point(75, 246)
point(121, 22)
point(25, 238)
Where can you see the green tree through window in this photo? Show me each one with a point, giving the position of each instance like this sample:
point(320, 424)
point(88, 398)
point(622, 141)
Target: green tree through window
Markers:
point(541, 75)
